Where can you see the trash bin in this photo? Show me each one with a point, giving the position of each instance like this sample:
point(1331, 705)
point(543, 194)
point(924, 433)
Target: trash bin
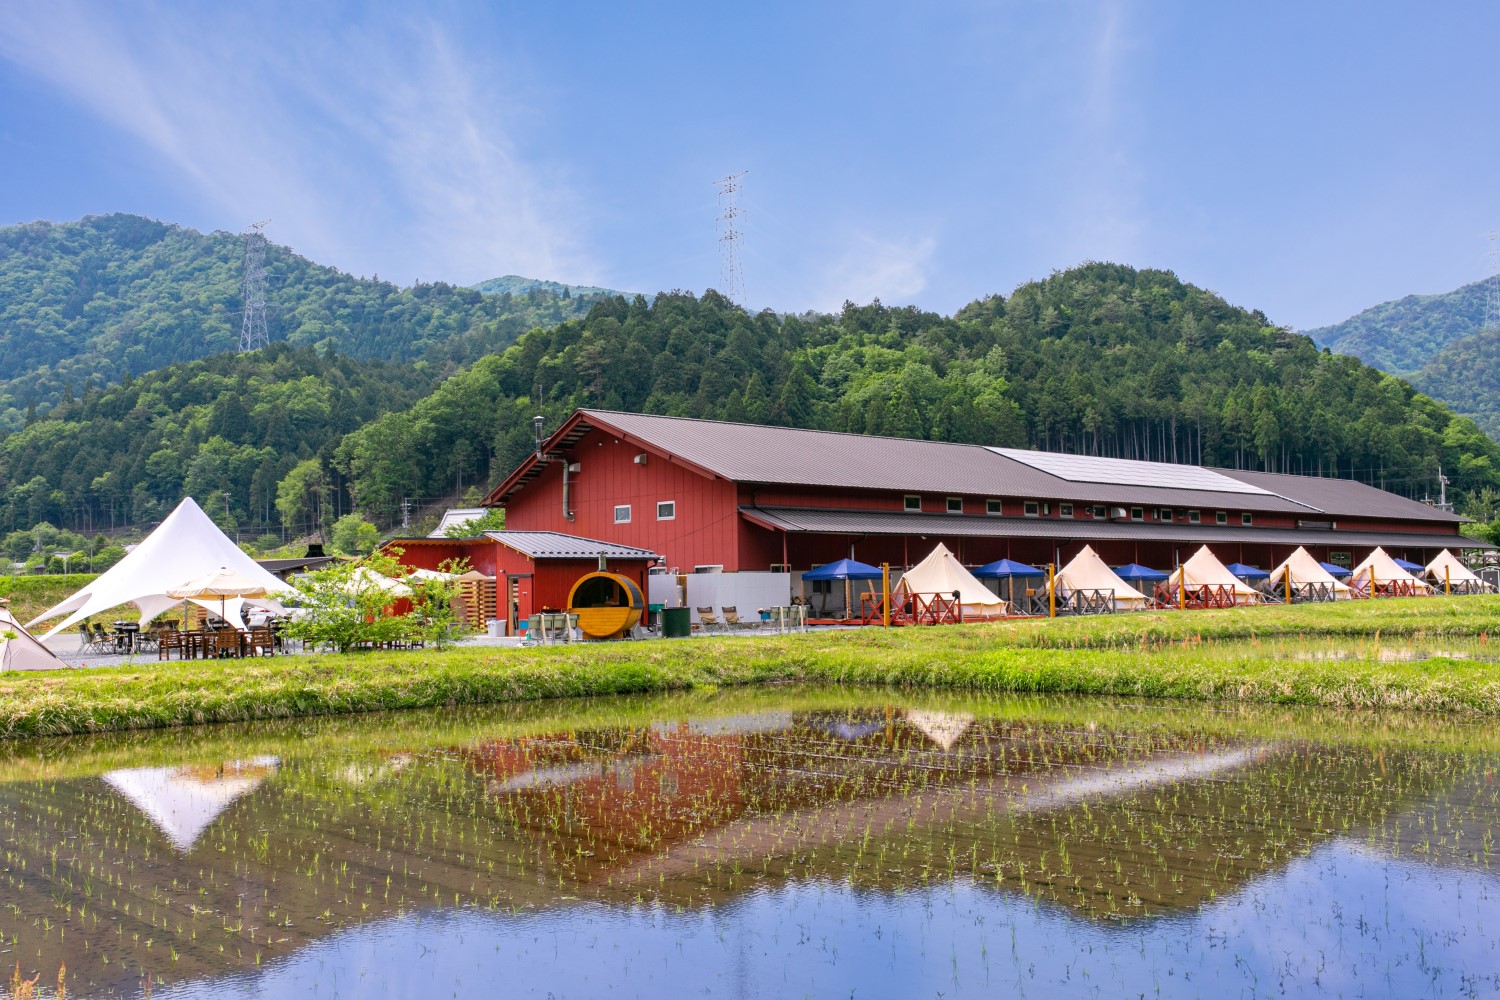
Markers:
point(676, 623)
point(496, 628)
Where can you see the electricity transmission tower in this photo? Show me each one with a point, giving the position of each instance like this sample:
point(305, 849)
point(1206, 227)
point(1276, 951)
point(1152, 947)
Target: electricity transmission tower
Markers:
point(253, 335)
point(731, 279)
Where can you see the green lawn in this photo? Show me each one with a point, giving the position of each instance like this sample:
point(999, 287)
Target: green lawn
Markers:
point(1346, 655)
point(31, 595)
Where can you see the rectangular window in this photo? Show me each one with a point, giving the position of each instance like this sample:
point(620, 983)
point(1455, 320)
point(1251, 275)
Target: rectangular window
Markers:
point(1344, 559)
point(822, 586)
point(1047, 509)
point(666, 510)
point(955, 505)
point(1221, 518)
point(993, 507)
point(1101, 512)
point(1194, 517)
point(1065, 510)
point(1164, 515)
point(1032, 508)
point(622, 514)
point(913, 503)
point(1136, 514)
point(1247, 518)
point(781, 568)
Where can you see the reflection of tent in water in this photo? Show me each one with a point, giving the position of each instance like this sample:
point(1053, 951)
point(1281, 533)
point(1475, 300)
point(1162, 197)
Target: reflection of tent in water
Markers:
point(942, 728)
point(185, 801)
point(843, 726)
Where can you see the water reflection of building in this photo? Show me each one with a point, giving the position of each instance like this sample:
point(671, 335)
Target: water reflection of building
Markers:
point(1124, 822)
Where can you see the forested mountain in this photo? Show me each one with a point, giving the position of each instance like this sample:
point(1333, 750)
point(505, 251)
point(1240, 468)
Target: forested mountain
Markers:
point(87, 302)
point(1102, 359)
point(1435, 341)
point(235, 424)
point(1403, 335)
point(514, 284)
point(1466, 376)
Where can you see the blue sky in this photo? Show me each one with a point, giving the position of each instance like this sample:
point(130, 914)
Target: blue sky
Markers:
point(1305, 159)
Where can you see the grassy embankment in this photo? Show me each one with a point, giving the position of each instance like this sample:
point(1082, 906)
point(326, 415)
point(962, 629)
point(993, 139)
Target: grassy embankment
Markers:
point(31, 595)
point(1343, 656)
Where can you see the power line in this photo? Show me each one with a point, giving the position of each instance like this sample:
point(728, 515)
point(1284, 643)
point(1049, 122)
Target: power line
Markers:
point(730, 277)
point(253, 334)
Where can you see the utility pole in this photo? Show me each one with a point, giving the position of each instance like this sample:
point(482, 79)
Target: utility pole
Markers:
point(405, 514)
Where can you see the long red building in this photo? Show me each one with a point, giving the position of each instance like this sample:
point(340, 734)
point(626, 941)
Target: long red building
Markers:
point(701, 494)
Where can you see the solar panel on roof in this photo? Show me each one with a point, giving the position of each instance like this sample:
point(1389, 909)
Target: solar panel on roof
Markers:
point(1129, 472)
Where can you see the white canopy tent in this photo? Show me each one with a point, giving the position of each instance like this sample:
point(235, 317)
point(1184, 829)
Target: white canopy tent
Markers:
point(1087, 571)
point(1446, 568)
point(941, 573)
point(1304, 569)
point(23, 652)
point(185, 546)
point(942, 728)
point(1380, 567)
point(1203, 568)
point(365, 579)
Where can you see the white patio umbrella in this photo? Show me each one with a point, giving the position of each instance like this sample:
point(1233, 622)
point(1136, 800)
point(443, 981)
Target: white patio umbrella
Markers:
point(364, 579)
point(221, 583)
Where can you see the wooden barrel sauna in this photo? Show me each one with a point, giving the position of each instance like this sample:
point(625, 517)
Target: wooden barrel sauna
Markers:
point(607, 605)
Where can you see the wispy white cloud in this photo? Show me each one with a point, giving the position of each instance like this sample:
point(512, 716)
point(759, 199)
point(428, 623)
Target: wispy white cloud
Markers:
point(894, 270)
point(392, 152)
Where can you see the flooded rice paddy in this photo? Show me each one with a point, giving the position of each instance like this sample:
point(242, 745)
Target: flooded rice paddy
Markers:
point(771, 843)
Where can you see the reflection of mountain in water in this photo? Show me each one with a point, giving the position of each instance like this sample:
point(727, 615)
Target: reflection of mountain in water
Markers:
point(184, 801)
point(272, 854)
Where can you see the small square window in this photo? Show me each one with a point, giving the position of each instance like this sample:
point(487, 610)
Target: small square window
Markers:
point(1101, 511)
point(1194, 517)
point(1065, 510)
point(1136, 514)
point(1164, 515)
point(1032, 508)
point(993, 507)
point(1247, 518)
point(913, 503)
point(955, 505)
point(1221, 518)
point(622, 514)
point(666, 510)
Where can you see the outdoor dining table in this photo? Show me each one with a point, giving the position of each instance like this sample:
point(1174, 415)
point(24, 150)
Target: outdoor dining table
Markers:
point(125, 635)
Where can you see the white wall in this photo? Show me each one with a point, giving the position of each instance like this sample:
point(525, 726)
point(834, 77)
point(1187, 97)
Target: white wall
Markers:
point(744, 591)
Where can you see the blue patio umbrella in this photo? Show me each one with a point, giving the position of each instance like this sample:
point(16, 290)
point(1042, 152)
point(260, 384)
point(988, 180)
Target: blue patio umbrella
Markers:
point(1002, 568)
point(1136, 573)
point(844, 569)
point(1247, 572)
point(1411, 567)
point(1336, 571)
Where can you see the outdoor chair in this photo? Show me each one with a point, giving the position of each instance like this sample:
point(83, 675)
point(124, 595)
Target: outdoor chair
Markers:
point(732, 621)
point(262, 642)
point(709, 621)
point(96, 641)
point(168, 640)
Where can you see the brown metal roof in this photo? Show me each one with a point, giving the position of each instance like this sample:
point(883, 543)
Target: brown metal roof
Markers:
point(788, 456)
point(555, 545)
point(1343, 497)
point(806, 520)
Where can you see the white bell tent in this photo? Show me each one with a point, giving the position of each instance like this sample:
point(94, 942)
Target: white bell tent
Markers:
point(1304, 569)
point(1381, 568)
point(1447, 569)
point(941, 573)
point(1203, 569)
point(185, 546)
point(1087, 571)
point(23, 652)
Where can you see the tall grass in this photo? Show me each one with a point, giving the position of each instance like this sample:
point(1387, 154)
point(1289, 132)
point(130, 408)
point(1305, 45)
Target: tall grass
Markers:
point(1229, 656)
